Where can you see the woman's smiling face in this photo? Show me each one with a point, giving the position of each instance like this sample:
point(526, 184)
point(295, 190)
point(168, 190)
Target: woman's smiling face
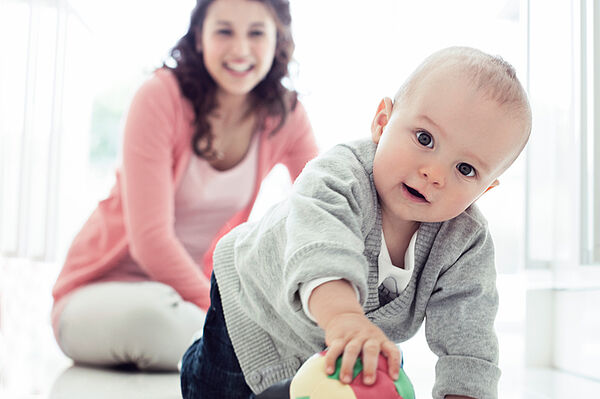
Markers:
point(238, 42)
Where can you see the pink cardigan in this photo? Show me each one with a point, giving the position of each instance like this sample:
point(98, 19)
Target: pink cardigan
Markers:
point(138, 215)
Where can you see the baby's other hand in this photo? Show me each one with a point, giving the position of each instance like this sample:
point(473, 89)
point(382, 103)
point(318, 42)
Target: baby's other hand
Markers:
point(353, 334)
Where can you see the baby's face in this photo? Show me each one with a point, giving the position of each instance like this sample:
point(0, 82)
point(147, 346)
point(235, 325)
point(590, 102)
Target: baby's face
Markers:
point(441, 148)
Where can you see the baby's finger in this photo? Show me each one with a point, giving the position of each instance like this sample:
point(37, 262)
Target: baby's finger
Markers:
point(334, 351)
point(351, 352)
point(393, 355)
point(370, 357)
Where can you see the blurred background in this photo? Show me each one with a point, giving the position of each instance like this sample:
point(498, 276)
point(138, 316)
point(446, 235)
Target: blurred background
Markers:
point(68, 69)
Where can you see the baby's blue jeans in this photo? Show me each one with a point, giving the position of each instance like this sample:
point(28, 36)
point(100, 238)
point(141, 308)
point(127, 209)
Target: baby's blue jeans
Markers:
point(209, 367)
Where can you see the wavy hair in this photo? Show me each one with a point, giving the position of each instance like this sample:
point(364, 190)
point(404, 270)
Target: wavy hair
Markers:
point(269, 98)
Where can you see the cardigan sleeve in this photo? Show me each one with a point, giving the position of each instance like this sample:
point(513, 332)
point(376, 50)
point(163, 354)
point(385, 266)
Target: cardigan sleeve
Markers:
point(331, 211)
point(460, 322)
point(148, 190)
point(317, 232)
point(302, 147)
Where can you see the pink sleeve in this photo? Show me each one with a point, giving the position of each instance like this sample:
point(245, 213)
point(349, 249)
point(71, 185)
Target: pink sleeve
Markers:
point(303, 146)
point(148, 192)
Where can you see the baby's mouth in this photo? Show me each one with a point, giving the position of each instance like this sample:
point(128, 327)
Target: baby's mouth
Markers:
point(414, 193)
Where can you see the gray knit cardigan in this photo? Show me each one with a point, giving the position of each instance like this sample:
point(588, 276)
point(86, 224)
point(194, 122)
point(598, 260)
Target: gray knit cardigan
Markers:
point(331, 226)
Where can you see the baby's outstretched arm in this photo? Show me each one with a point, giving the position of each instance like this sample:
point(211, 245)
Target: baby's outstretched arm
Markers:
point(348, 331)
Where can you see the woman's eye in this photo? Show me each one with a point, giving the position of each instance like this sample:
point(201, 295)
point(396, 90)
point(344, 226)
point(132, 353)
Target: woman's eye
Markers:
point(224, 32)
point(425, 139)
point(466, 169)
point(256, 33)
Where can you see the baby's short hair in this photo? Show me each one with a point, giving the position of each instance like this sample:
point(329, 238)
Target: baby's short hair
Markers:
point(493, 76)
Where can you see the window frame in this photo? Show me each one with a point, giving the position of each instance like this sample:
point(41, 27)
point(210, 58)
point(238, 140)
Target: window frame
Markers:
point(590, 126)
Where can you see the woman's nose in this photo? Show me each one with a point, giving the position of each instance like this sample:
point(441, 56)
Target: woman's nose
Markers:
point(240, 46)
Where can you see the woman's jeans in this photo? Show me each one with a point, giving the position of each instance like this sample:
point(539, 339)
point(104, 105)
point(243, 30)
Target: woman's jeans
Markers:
point(209, 368)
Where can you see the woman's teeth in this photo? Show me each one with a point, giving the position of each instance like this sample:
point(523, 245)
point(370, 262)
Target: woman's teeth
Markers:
point(239, 67)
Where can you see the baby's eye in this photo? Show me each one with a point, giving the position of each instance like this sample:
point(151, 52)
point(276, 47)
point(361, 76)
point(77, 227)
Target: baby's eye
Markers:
point(256, 33)
point(224, 32)
point(425, 138)
point(466, 169)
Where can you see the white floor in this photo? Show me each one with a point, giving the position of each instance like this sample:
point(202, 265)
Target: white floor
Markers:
point(32, 366)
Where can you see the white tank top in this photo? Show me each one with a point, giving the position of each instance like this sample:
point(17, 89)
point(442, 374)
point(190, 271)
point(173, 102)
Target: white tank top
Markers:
point(207, 198)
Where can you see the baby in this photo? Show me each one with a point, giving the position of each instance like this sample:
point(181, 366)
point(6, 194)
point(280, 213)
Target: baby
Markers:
point(377, 236)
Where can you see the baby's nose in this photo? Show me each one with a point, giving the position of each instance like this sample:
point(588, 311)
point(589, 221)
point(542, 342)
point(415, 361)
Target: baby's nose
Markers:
point(434, 174)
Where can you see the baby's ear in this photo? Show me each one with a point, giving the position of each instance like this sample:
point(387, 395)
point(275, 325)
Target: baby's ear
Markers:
point(384, 112)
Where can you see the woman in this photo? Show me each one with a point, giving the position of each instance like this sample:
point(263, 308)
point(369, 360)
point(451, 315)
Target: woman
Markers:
point(199, 139)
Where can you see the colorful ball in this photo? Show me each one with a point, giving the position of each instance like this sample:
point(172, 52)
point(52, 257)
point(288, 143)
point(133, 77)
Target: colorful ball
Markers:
point(312, 382)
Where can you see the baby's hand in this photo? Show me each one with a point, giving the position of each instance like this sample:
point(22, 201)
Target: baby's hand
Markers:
point(353, 334)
